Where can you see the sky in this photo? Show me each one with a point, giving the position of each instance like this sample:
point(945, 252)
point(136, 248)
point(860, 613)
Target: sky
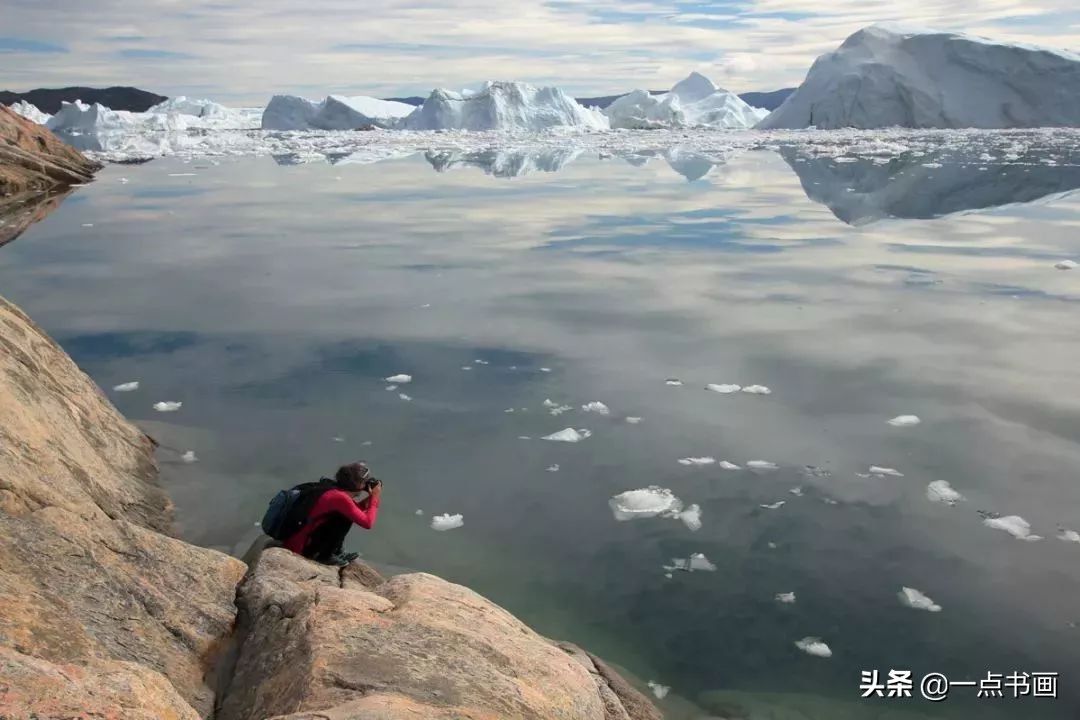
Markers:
point(241, 52)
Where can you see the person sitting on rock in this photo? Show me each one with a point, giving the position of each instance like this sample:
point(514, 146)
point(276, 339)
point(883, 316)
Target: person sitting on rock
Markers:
point(328, 522)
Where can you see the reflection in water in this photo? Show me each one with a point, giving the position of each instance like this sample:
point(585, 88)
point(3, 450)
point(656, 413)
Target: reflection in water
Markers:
point(21, 210)
point(504, 163)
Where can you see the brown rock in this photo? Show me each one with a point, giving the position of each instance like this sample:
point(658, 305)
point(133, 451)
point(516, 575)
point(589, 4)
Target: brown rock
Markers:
point(321, 643)
point(32, 158)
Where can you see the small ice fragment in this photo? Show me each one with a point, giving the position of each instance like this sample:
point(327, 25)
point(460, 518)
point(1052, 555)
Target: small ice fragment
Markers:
point(787, 598)
point(1015, 525)
point(723, 389)
point(399, 379)
point(508, 410)
point(555, 408)
point(912, 598)
point(725, 465)
point(88, 225)
point(127, 387)
point(660, 691)
point(442, 523)
point(644, 503)
point(940, 491)
point(796, 491)
point(569, 435)
point(419, 512)
point(168, 406)
point(878, 470)
point(123, 181)
point(697, 461)
point(466, 367)
point(405, 397)
point(365, 443)
point(634, 420)
point(674, 382)
point(772, 546)
point(1066, 265)
point(189, 457)
point(830, 501)
point(391, 388)
point(524, 437)
point(905, 420)
point(761, 465)
point(596, 407)
point(545, 369)
point(814, 646)
point(553, 468)
point(757, 390)
point(691, 517)
point(1069, 535)
point(668, 575)
point(425, 305)
point(480, 362)
point(697, 562)
point(774, 506)
point(338, 439)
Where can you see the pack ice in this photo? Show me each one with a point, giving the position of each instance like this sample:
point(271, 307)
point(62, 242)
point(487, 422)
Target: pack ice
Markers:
point(888, 75)
point(335, 112)
point(692, 102)
point(502, 105)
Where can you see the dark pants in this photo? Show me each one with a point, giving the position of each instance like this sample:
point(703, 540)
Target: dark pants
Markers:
point(327, 539)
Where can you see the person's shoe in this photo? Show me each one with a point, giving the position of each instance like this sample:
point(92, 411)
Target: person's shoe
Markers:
point(342, 559)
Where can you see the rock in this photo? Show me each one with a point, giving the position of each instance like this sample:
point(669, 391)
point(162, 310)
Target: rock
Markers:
point(32, 158)
point(324, 643)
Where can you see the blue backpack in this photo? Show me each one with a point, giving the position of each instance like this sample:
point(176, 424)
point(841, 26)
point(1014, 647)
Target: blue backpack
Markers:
point(289, 509)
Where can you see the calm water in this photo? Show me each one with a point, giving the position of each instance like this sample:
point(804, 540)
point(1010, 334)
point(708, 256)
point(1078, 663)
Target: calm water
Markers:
point(271, 298)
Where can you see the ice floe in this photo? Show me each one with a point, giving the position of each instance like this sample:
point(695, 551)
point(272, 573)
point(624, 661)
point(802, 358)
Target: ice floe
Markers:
point(905, 420)
point(658, 690)
point(569, 435)
point(442, 523)
point(399, 379)
point(189, 457)
point(1015, 525)
point(1066, 265)
point(127, 387)
point(762, 465)
point(785, 597)
point(649, 502)
point(912, 598)
point(553, 468)
point(596, 407)
point(723, 389)
point(691, 517)
point(757, 390)
point(168, 406)
point(633, 420)
point(1069, 535)
point(391, 388)
point(796, 491)
point(883, 471)
point(419, 512)
point(697, 562)
point(940, 491)
point(774, 506)
point(674, 382)
point(725, 465)
point(814, 646)
point(406, 398)
point(697, 461)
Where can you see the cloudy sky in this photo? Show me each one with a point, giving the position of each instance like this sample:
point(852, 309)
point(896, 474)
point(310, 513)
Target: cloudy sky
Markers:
point(241, 52)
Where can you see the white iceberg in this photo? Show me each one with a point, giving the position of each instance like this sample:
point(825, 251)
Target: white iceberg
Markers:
point(887, 75)
point(912, 598)
point(553, 468)
point(724, 389)
point(406, 398)
point(814, 646)
point(633, 420)
point(785, 597)
point(399, 379)
point(596, 407)
point(660, 691)
point(1015, 525)
point(30, 112)
point(940, 491)
point(1069, 536)
point(725, 465)
point(568, 435)
point(647, 502)
point(692, 102)
point(883, 471)
point(673, 382)
point(697, 461)
point(905, 421)
point(168, 406)
point(127, 387)
point(189, 457)
point(442, 523)
point(773, 506)
point(691, 517)
point(506, 106)
point(335, 112)
point(757, 390)
point(763, 465)
point(697, 562)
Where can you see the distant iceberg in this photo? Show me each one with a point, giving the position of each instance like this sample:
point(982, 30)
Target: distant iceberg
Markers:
point(336, 112)
point(886, 75)
point(692, 102)
point(501, 105)
point(176, 114)
point(30, 112)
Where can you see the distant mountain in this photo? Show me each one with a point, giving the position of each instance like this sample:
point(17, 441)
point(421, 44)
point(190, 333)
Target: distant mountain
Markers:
point(115, 98)
point(767, 100)
point(411, 100)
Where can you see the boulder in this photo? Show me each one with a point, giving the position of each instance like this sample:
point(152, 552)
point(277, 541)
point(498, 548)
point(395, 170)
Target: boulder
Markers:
point(32, 158)
point(319, 642)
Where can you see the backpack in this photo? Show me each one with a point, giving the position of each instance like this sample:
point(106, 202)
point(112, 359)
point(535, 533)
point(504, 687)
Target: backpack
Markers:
point(289, 509)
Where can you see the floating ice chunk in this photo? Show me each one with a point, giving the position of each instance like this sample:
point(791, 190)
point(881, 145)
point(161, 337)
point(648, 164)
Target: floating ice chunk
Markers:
point(674, 382)
point(691, 517)
point(524, 437)
point(757, 390)
point(830, 501)
point(1069, 535)
point(668, 575)
point(338, 439)
point(480, 362)
point(796, 491)
point(399, 379)
point(553, 468)
point(419, 511)
point(124, 181)
point(569, 435)
point(1015, 525)
point(168, 406)
point(442, 523)
point(905, 420)
point(940, 491)
point(644, 503)
point(1066, 265)
point(774, 506)
point(697, 562)
point(698, 461)
point(405, 397)
point(508, 410)
point(88, 225)
point(761, 465)
point(127, 387)
point(596, 407)
point(878, 470)
point(912, 598)
point(391, 388)
point(723, 389)
point(545, 369)
point(725, 465)
point(814, 646)
point(772, 546)
point(182, 174)
point(787, 598)
point(660, 691)
point(634, 420)
point(555, 408)
point(365, 443)
point(189, 457)
point(466, 367)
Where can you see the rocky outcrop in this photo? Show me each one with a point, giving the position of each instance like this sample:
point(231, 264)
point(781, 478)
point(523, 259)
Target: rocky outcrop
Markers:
point(32, 158)
point(97, 601)
point(351, 646)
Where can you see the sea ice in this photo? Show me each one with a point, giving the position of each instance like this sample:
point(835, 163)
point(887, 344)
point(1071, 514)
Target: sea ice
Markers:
point(1015, 525)
point(419, 512)
point(691, 517)
point(168, 406)
point(660, 691)
point(814, 646)
point(391, 388)
point(338, 439)
point(596, 407)
point(545, 369)
point(127, 387)
point(442, 523)
point(674, 382)
point(761, 465)
point(697, 562)
point(774, 506)
point(698, 461)
point(481, 362)
point(724, 389)
point(940, 491)
point(399, 379)
point(1069, 535)
point(905, 420)
point(569, 435)
point(1066, 265)
point(644, 503)
point(406, 398)
point(725, 465)
point(189, 457)
point(878, 470)
point(633, 420)
point(785, 597)
point(796, 491)
point(553, 468)
point(757, 390)
point(914, 599)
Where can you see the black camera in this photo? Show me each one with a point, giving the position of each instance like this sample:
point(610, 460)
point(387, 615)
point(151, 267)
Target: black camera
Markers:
point(371, 483)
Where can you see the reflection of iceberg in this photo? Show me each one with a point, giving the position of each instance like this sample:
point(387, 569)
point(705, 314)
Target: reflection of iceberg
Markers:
point(691, 165)
point(917, 188)
point(505, 163)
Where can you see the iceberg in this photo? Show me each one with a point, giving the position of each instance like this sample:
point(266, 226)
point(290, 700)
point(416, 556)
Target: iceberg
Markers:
point(692, 102)
point(916, 600)
point(335, 112)
point(814, 646)
point(445, 522)
point(887, 75)
point(505, 106)
point(30, 112)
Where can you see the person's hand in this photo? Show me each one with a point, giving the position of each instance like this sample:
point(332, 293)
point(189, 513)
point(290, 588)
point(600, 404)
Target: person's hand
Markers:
point(376, 492)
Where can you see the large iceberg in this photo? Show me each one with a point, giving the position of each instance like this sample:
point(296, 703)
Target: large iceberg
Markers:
point(692, 102)
point(78, 117)
point(336, 112)
point(209, 114)
point(886, 75)
point(30, 112)
point(513, 106)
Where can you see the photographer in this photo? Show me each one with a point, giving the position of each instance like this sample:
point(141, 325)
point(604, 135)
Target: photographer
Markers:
point(322, 535)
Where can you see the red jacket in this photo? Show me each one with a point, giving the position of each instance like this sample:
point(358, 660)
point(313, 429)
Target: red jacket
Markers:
point(334, 501)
